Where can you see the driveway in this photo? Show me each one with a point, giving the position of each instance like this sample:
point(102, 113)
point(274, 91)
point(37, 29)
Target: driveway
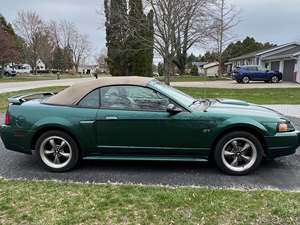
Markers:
point(282, 173)
point(230, 84)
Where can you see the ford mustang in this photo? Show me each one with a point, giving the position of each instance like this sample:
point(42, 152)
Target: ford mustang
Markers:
point(135, 118)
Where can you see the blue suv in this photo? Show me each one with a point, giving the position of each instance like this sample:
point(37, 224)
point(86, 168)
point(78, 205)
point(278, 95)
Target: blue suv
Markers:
point(245, 74)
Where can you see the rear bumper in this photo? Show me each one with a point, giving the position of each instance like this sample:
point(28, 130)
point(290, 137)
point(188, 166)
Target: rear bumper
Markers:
point(15, 140)
point(282, 144)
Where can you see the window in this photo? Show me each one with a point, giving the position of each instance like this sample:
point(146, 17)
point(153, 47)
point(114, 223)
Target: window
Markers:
point(133, 98)
point(92, 100)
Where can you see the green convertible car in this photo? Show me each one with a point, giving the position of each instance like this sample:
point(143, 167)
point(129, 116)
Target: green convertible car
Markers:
point(135, 118)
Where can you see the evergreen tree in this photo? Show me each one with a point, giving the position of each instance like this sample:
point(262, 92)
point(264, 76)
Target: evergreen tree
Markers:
point(116, 36)
point(19, 43)
point(58, 59)
point(130, 38)
point(248, 45)
point(194, 71)
point(140, 42)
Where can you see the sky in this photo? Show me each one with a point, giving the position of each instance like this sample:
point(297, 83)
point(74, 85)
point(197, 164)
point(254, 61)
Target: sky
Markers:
point(276, 21)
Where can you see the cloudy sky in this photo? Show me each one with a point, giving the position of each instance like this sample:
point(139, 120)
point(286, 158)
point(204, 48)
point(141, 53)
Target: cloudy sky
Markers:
point(276, 21)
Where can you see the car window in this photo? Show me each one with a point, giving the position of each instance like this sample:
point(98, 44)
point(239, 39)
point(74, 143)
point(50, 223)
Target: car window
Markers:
point(133, 98)
point(91, 100)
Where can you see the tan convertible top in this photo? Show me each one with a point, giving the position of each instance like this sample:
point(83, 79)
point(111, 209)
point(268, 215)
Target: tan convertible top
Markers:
point(73, 94)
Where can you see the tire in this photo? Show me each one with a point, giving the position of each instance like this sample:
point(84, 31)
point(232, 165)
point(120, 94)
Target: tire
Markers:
point(238, 81)
point(246, 80)
point(57, 151)
point(274, 79)
point(228, 157)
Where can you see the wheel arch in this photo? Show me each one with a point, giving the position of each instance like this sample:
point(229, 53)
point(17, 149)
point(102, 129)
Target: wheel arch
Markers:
point(44, 129)
point(246, 128)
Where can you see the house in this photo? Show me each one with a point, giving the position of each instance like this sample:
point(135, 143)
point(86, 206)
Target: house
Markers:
point(200, 66)
point(211, 69)
point(40, 65)
point(284, 58)
point(87, 69)
point(297, 67)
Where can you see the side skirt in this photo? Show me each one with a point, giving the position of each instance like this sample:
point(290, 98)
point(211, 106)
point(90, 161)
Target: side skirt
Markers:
point(148, 158)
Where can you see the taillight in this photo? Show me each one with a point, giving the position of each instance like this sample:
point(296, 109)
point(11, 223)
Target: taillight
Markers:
point(7, 119)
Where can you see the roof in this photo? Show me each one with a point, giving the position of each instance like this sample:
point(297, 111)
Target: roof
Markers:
point(209, 65)
point(73, 94)
point(289, 53)
point(249, 55)
point(199, 64)
point(279, 47)
point(297, 54)
point(264, 51)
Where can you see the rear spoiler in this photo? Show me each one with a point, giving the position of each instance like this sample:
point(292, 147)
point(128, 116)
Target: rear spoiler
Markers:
point(19, 99)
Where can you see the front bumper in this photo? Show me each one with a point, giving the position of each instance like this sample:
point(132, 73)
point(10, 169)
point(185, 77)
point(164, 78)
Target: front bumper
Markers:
point(282, 144)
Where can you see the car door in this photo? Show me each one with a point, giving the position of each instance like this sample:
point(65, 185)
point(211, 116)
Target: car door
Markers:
point(261, 73)
point(133, 120)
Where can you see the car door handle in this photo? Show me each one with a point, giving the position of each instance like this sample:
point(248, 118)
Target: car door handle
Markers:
point(87, 121)
point(111, 118)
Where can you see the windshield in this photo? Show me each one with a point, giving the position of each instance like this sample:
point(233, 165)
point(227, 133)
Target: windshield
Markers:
point(180, 97)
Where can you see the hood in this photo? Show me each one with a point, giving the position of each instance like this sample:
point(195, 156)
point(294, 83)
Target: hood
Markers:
point(242, 108)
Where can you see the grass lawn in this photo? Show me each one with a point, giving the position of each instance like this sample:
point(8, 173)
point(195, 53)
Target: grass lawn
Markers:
point(21, 78)
point(258, 96)
point(185, 78)
point(31, 202)
point(4, 96)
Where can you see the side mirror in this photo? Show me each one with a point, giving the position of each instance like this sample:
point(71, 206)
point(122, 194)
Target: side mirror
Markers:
point(172, 109)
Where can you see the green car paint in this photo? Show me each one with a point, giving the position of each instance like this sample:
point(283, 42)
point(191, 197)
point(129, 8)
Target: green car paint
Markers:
point(190, 135)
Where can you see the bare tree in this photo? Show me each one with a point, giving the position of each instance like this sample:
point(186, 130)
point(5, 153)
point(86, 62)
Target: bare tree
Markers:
point(30, 27)
point(178, 25)
point(168, 17)
point(66, 36)
point(225, 17)
point(195, 29)
point(81, 48)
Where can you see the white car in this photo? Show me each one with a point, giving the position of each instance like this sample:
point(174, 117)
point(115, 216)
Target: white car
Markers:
point(23, 68)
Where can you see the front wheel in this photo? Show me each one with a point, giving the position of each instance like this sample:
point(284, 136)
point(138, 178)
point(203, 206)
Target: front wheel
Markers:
point(238, 153)
point(57, 151)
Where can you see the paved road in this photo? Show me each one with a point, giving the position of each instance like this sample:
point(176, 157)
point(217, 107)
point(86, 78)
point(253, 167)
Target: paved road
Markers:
point(230, 84)
point(17, 86)
point(282, 173)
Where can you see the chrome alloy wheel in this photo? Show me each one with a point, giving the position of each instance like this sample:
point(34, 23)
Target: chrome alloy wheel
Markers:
point(56, 152)
point(275, 79)
point(239, 154)
point(246, 80)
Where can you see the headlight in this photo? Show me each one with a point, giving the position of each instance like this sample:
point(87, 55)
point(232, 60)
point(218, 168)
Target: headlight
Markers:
point(285, 126)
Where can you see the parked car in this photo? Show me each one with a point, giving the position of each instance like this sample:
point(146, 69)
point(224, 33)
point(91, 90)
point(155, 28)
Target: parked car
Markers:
point(135, 118)
point(8, 71)
point(245, 74)
point(23, 68)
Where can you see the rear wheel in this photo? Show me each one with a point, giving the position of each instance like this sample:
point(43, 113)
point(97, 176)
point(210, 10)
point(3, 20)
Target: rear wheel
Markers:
point(57, 151)
point(245, 80)
point(274, 79)
point(238, 153)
